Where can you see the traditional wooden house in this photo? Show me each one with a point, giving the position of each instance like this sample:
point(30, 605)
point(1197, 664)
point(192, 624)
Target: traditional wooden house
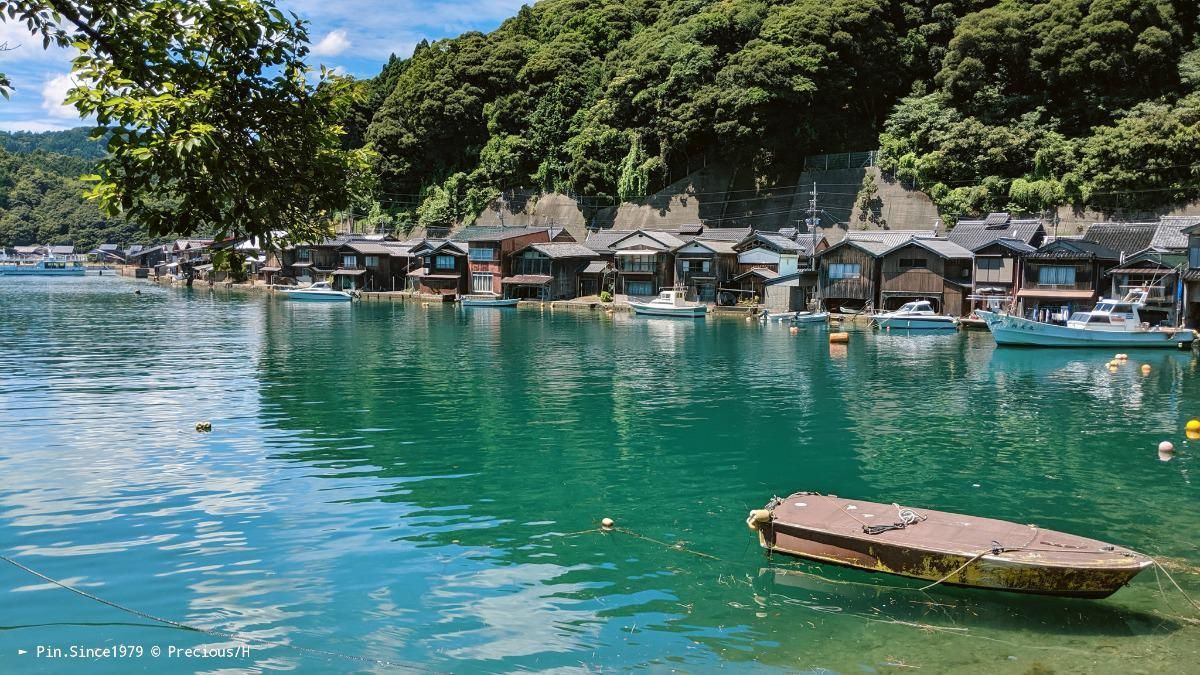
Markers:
point(849, 271)
point(190, 251)
point(548, 271)
point(489, 250)
point(705, 265)
point(788, 292)
point(997, 273)
point(751, 283)
point(443, 272)
point(1125, 239)
point(1064, 276)
point(642, 259)
point(931, 269)
point(62, 251)
point(369, 266)
point(772, 251)
point(30, 251)
point(146, 258)
point(1191, 278)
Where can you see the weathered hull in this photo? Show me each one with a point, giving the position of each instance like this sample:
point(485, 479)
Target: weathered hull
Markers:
point(648, 309)
point(817, 317)
point(957, 550)
point(973, 324)
point(1016, 331)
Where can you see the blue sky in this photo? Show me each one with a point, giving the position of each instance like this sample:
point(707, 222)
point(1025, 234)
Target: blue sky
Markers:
point(355, 36)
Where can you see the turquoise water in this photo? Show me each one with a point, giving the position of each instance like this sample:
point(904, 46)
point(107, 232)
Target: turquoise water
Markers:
point(421, 485)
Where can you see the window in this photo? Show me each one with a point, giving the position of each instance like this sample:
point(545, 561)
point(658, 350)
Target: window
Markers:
point(639, 288)
point(482, 254)
point(989, 263)
point(637, 263)
point(913, 263)
point(845, 271)
point(1194, 254)
point(372, 261)
point(706, 266)
point(481, 282)
point(697, 266)
point(1056, 276)
point(304, 254)
point(349, 261)
point(444, 262)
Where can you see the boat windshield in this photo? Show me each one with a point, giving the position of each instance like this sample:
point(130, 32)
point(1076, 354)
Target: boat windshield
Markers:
point(1104, 307)
point(1080, 317)
point(917, 307)
point(320, 284)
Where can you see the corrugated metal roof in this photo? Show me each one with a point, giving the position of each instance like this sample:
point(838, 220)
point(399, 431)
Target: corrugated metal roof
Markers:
point(527, 280)
point(1127, 238)
point(564, 250)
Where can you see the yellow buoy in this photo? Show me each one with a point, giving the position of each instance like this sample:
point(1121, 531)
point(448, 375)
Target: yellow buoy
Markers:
point(839, 338)
point(1145, 368)
point(1193, 425)
point(1192, 435)
point(607, 523)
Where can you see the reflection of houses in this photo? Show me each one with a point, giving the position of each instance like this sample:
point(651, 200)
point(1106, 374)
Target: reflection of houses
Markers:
point(849, 270)
point(443, 270)
point(931, 269)
point(489, 250)
point(1062, 277)
point(548, 271)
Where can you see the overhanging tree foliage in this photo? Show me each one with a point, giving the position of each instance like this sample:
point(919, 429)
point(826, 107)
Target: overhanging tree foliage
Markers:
point(214, 121)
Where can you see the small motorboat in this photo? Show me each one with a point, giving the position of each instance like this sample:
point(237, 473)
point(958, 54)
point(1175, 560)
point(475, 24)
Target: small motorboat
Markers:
point(671, 302)
point(973, 322)
point(1112, 323)
point(318, 292)
point(488, 301)
point(941, 547)
point(917, 315)
point(810, 317)
point(777, 316)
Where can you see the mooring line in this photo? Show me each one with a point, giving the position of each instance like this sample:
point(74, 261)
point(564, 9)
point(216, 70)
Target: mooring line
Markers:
point(209, 631)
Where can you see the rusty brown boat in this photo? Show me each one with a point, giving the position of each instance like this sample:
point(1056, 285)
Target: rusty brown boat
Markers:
point(943, 548)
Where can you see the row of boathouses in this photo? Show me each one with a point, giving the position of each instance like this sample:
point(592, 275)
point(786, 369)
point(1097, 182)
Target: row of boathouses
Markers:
point(998, 259)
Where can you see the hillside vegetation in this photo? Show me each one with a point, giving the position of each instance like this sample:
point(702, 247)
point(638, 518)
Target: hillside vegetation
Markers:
point(984, 104)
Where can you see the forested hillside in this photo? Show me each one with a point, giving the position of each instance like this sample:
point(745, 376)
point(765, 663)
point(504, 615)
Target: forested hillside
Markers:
point(72, 142)
point(985, 104)
point(41, 201)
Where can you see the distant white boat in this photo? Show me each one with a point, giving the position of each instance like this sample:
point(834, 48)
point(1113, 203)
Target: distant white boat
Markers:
point(917, 315)
point(810, 317)
point(1113, 323)
point(488, 301)
point(670, 303)
point(318, 292)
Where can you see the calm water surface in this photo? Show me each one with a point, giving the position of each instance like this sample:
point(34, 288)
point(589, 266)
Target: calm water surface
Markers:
point(408, 483)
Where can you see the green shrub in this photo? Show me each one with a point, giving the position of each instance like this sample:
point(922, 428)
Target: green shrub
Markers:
point(605, 296)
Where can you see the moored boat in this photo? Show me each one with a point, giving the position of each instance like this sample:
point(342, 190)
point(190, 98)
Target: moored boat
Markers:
point(488, 301)
point(318, 292)
point(942, 547)
point(810, 317)
point(46, 267)
point(973, 322)
point(1112, 323)
point(670, 303)
point(916, 315)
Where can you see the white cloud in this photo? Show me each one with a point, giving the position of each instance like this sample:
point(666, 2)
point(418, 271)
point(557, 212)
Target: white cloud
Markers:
point(33, 125)
point(54, 91)
point(335, 42)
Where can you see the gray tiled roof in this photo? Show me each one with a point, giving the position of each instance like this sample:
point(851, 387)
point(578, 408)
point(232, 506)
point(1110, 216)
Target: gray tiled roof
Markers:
point(943, 247)
point(734, 234)
point(369, 248)
point(109, 248)
point(788, 232)
point(1127, 238)
point(879, 242)
point(602, 240)
point(564, 250)
point(714, 245)
point(971, 234)
point(62, 250)
point(1170, 233)
point(476, 233)
point(1075, 248)
point(1014, 244)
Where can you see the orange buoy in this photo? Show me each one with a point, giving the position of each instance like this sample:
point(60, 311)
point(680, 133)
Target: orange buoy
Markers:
point(839, 338)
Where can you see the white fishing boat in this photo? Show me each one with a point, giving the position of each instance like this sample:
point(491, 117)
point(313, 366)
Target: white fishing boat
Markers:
point(488, 301)
point(672, 302)
point(916, 315)
point(318, 292)
point(1112, 323)
point(45, 267)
